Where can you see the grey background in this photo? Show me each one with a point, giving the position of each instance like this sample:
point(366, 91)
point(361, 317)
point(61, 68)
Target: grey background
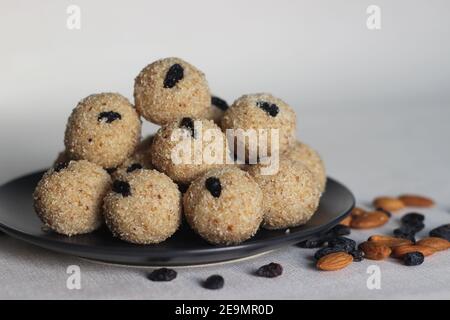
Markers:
point(374, 103)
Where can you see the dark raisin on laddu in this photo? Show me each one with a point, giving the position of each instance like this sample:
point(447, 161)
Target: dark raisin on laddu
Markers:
point(271, 108)
point(111, 170)
point(163, 274)
point(213, 185)
point(61, 165)
point(109, 116)
point(270, 270)
point(188, 123)
point(121, 187)
point(134, 167)
point(219, 103)
point(214, 282)
point(173, 75)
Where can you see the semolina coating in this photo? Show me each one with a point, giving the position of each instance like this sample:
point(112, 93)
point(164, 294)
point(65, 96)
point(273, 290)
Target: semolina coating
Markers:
point(140, 159)
point(291, 196)
point(187, 148)
point(104, 129)
point(228, 216)
point(311, 159)
point(69, 197)
point(170, 89)
point(143, 208)
point(261, 111)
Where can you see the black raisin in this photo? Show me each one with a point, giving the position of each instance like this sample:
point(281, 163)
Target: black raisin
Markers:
point(388, 213)
point(413, 258)
point(358, 255)
point(271, 108)
point(327, 250)
point(183, 187)
point(214, 187)
point(412, 228)
point(214, 282)
point(400, 233)
point(162, 274)
point(219, 103)
point(413, 218)
point(312, 243)
point(61, 165)
point(347, 244)
point(134, 167)
point(173, 75)
point(270, 270)
point(337, 231)
point(111, 170)
point(188, 123)
point(441, 232)
point(109, 116)
point(121, 187)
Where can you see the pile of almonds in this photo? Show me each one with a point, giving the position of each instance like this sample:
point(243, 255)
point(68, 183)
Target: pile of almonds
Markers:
point(380, 247)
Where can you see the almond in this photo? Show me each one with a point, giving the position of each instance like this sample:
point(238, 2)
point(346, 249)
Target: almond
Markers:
point(346, 221)
point(412, 200)
point(356, 211)
point(438, 244)
point(334, 261)
point(399, 252)
point(373, 251)
point(388, 203)
point(388, 241)
point(369, 220)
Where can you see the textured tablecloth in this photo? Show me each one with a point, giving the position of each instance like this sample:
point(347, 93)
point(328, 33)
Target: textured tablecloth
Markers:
point(374, 151)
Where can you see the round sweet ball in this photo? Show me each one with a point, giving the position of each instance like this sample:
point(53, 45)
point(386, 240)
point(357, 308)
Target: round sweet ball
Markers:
point(187, 148)
point(311, 159)
point(291, 195)
point(170, 89)
point(69, 197)
point(217, 109)
point(262, 111)
point(224, 206)
point(104, 128)
point(143, 208)
point(140, 159)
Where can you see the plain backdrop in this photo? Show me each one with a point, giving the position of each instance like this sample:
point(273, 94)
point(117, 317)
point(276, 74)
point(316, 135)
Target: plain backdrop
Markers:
point(319, 56)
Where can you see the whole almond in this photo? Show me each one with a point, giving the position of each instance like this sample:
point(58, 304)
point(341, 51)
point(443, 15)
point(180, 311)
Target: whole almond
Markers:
point(369, 220)
point(346, 221)
point(373, 251)
point(399, 252)
point(356, 211)
point(388, 203)
point(438, 244)
point(412, 200)
point(334, 261)
point(389, 241)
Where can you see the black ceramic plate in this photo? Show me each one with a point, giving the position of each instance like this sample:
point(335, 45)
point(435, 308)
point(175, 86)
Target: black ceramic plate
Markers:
point(17, 218)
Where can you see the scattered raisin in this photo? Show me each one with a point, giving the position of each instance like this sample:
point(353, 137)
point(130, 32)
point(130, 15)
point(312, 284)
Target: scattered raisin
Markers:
point(404, 234)
point(219, 103)
point(312, 243)
point(214, 282)
point(173, 75)
point(61, 165)
point(347, 244)
point(271, 108)
point(270, 270)
point(337, 231)
point(109, 116)
point(134, 167)
point(121, 187)
point(413, 218)
point(327, 250)
point(441, 232)
point(413, 258)
point(188, 123)
point(162, 274)
point(358, 255)
point(214, 187)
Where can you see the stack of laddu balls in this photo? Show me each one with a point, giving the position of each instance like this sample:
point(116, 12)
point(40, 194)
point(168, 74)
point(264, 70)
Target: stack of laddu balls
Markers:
point(108, 174)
